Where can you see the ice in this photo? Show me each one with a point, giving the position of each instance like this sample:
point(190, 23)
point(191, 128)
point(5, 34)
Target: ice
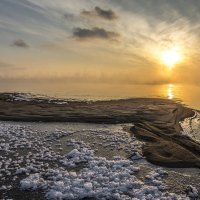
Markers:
point(27, 97)
point(33, 182)
point(191, 127)
point(21, 171)
point(192, 192)
point(33, 158)
point(100, 179)
point(77, 156)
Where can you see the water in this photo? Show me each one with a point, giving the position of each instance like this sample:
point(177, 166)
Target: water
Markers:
point(188, 94)
point(101, 137)
point(191, 127)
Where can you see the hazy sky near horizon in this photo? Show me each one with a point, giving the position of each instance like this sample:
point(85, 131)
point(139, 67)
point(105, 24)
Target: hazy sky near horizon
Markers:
point(99, 41)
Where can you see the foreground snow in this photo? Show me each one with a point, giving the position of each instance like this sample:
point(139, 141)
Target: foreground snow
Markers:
point(36, 160)
point(100, 179)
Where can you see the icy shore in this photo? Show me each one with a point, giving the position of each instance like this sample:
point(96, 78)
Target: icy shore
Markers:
point(101, 179)
point(77, 161)
point(191, 127)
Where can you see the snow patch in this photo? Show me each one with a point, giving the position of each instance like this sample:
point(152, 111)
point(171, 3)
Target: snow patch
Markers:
point(100, 179)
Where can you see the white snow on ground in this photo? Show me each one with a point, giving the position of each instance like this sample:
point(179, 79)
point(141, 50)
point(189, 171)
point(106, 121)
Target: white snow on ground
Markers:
point(191, 127)
point(100, 179)
point(81, 154)
point(192, 192)
point(35, 98)
point(58, 162)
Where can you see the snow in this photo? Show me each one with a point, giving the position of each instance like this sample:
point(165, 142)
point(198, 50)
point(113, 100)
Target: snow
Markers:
point(27, 97)
point(191, 127)
point(100, 179)
point(192, 192)
point(80, 155)
point(69, 164)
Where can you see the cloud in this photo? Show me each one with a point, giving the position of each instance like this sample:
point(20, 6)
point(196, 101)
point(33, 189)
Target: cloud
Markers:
point(5, 65)
point(8, 66)
point(20, 43)
point(99, 12)
point(68, 16)
point(83, 33)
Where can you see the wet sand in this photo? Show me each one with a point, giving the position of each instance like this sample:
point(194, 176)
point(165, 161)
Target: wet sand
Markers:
point(156, 121)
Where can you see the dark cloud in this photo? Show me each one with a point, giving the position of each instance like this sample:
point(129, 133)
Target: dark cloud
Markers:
point(99, 12)
point(158, 11)
point(83, 33)
point(20, 43)
point(68, 16)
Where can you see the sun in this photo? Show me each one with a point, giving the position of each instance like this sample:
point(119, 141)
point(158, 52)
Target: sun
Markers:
point(171, 57)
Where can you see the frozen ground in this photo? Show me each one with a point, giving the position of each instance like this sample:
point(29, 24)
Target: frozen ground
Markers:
point(191, 127)
point(27, 97)
point(83, 161)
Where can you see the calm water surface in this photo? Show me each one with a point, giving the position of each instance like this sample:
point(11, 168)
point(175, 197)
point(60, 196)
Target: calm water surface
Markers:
point(188, 94)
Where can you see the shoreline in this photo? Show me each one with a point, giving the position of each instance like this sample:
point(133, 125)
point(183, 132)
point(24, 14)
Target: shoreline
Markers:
point(15, 108)
point(156, 121)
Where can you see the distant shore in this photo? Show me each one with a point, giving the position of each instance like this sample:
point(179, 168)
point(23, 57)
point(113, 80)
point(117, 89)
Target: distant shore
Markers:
point(156, 121)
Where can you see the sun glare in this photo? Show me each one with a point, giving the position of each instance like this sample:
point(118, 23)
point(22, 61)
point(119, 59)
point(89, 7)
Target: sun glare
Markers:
point(170, 91)
point(170, 57)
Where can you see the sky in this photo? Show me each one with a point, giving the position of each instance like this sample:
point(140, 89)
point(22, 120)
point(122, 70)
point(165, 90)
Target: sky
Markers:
point(107, 41)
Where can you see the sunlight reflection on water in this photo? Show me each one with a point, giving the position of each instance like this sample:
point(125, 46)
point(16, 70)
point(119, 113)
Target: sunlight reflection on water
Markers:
point(170, 91)
point(188, 94)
